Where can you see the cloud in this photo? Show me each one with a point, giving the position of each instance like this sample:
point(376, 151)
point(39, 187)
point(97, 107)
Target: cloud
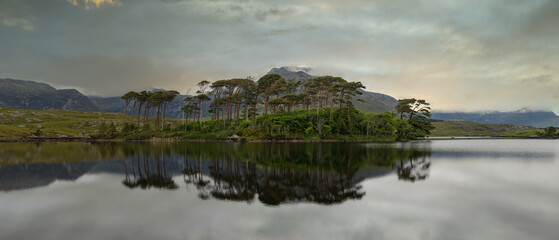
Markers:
point(94, 73)
point(274, 12)
point(483, 52)
point(541, 79)
point(25, 24)
point(96, 4)
point(73, 2)
point(299, 69)
point(16, 14)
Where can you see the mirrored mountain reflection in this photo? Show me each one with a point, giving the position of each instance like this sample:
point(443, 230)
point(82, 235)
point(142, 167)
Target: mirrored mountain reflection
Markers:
point(272, 173)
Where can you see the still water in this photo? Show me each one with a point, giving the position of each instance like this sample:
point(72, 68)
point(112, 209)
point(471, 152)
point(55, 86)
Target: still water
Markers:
point(440, 189)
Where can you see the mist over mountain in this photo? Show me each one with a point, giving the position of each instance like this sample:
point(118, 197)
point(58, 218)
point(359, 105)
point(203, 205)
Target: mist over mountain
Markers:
point(292, 73)
point(523, 117)
point(40, 96)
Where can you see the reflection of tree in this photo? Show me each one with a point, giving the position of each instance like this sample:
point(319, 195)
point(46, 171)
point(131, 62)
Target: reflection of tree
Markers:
point(192, 173)
point(241, 181)
point(276, 173)
point(147, 173)
point(413, 169)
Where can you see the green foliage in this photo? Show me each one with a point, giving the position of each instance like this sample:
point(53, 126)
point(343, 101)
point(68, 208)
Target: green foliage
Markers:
point(421, 128)
point(413, 108)
point(106, 130)
point(404, 130)
point(38, 132)
point(382, 124)
point(417, 111)
point(550, 131)
point(128, 127)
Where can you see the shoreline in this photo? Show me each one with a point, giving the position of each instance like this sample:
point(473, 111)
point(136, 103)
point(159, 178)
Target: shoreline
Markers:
point(39, 140)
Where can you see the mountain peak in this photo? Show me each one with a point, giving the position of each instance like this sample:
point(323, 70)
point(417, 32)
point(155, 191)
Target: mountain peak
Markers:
point(34, 95)
point(297, 73)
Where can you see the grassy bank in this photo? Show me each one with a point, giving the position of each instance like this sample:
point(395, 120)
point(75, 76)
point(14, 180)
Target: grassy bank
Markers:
point(58, 125)
point(18, 124)
point(464, 128)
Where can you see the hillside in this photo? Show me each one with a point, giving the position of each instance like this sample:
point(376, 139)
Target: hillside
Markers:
point(18, 123)
point(464, 128)
point(371, 101)
point(33, 95)
point(539, 119)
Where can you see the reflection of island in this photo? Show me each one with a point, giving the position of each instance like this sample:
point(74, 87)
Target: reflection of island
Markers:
point(243, 181)
point(272, 173)
point(278, 174)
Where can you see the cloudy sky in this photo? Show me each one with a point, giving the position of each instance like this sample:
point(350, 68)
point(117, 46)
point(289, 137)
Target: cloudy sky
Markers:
point(472, 55)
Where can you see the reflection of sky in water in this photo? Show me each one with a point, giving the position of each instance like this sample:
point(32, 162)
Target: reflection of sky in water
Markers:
point(492, 149)
point(478, 199)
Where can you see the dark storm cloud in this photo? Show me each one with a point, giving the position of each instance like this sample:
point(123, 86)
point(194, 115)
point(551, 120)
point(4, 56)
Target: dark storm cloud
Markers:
point(484, 52)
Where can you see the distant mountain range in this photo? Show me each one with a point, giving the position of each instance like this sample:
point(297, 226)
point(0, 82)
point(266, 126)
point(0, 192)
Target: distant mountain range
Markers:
point(538, 119)
point(33, 95)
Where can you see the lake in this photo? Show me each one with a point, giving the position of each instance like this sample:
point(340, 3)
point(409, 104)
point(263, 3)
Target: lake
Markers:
point(438, 189)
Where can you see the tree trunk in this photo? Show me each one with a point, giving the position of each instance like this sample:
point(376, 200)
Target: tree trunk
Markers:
point(200, 115)
point(126, 110)
point(139, 113)
point(133, 112)
point(246, 111)
point(164, 110)
point(238, 107)
point(159, 116)
point(266, 99)
point(146, 113)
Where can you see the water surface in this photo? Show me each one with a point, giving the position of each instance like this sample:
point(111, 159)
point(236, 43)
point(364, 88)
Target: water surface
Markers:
point(446, 189)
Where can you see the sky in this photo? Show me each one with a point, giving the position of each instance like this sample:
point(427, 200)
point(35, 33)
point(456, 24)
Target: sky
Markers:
point(471, 55)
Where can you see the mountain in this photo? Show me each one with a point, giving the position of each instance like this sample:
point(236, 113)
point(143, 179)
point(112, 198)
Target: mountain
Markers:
point(371, 101)
point(523, 117)
point(291, 73)
point(40, 96)
point(117, 104)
